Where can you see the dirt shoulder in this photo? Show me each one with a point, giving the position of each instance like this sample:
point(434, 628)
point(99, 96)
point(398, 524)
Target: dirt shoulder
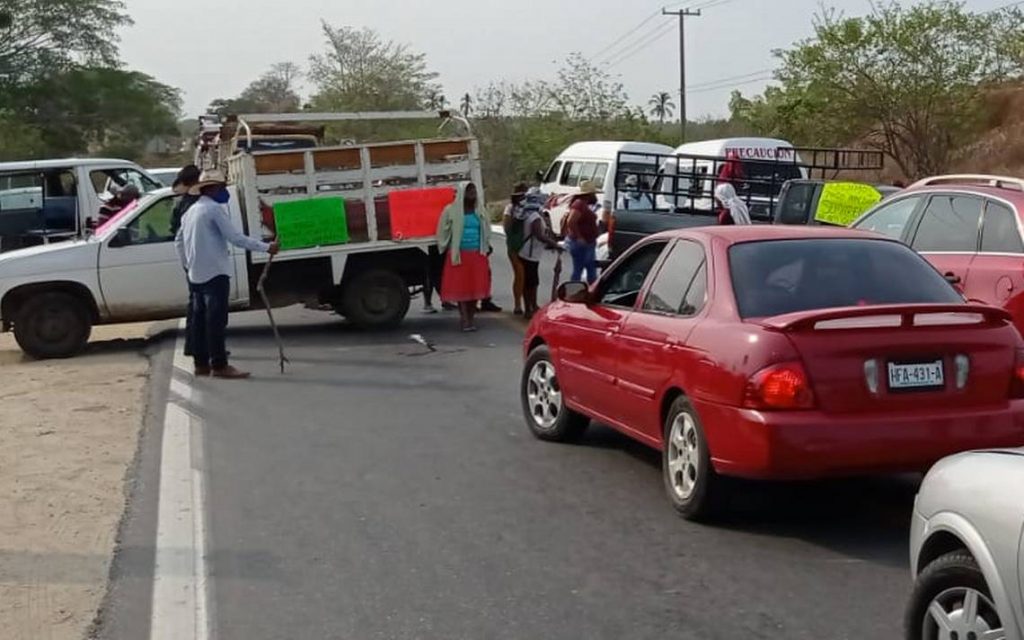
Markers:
point(68, 434)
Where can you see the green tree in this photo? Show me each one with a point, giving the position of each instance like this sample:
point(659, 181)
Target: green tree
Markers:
point(43, 35)
point(361, 71)
point(586, 91)
point(273, 92)
point(662, 106)
point(99, 110)
point(907, 81)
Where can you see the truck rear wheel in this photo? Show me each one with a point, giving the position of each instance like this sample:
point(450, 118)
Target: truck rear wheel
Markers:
point(375, 299)
point(52, 325)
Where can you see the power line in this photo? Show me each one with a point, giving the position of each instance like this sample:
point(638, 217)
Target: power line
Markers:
point(641, 42)
point(726, 79)
point(626, 35)
point(636, 48)
point(730, 85)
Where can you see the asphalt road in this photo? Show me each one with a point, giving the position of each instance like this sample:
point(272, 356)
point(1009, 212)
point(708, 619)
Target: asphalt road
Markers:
point(380, 491)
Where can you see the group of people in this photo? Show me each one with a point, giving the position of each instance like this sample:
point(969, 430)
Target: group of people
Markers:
point(460, 266)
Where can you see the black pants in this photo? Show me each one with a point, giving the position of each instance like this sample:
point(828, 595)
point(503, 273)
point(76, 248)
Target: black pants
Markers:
point(531, 274)
point(188, 321)
point(435, 267)
point(210, 322)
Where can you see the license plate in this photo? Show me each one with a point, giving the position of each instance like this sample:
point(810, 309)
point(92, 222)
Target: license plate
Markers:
point(916, 375)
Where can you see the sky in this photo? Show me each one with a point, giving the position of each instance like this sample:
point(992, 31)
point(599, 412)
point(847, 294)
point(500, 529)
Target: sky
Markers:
point(214, 49)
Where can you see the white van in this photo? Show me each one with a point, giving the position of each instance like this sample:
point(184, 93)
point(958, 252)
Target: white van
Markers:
point(597, 161)
point(767, 162)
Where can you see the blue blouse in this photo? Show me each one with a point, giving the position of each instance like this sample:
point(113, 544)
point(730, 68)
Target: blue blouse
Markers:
point(470, 232)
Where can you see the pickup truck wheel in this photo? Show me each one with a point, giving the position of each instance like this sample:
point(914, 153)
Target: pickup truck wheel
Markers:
point(375, 299)
point(52, 325)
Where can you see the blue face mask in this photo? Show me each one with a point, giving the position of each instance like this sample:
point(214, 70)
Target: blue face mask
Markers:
point(223, 196)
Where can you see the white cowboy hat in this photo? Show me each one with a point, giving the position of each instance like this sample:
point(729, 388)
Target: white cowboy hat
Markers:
point(207, 179)
point(587, 187)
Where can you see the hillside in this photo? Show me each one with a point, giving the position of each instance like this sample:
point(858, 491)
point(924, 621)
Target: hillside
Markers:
point(1000, 149)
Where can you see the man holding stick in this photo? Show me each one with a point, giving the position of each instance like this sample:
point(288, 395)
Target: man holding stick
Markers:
point(202, 243)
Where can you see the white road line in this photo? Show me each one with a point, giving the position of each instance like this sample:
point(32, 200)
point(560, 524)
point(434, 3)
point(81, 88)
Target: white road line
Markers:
point(181, 580)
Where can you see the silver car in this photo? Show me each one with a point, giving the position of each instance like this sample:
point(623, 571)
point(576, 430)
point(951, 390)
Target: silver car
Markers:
point(966, 549)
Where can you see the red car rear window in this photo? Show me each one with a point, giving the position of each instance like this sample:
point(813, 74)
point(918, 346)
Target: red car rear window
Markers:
point(775, 277)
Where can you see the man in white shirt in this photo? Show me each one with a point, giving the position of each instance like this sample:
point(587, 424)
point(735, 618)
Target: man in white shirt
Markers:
point(202, 243)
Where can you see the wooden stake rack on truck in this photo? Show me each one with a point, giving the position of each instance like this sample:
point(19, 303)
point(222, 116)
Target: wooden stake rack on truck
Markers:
point(363, 216)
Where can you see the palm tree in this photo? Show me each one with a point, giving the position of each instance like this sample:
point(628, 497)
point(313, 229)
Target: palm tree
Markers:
point(467, 104)
point(662, 106)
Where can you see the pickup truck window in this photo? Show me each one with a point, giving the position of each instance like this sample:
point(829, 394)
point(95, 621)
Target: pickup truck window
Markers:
point(103, 179)
point(152, 225)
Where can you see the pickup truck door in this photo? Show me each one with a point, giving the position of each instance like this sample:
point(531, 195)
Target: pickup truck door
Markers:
point(140, 274)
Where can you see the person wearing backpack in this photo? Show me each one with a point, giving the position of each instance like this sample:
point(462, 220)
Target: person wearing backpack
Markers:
point(537, 239)
point(514, 221)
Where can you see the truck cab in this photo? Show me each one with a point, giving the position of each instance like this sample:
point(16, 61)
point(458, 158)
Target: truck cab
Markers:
point(53, 200)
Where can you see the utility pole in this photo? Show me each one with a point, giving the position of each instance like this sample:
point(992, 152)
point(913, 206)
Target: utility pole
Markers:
point(683, 14)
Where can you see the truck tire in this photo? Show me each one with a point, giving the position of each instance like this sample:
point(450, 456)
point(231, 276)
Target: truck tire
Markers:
point(52, 325)
point(375, 299)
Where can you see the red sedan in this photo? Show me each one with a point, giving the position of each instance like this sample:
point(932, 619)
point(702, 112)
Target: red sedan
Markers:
point(775, 352)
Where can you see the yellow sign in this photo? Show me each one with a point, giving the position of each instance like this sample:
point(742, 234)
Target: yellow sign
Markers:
point(843, 202)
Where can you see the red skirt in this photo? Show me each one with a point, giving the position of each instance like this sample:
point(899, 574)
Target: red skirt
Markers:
point(466, 282)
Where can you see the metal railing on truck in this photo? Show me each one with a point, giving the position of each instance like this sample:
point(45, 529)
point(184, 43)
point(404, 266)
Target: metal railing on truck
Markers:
point(686, 183)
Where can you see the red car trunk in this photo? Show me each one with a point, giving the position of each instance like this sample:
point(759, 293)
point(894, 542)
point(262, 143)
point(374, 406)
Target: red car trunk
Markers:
point(903, 358)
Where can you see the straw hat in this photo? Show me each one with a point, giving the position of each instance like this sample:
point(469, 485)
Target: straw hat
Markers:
point(208, 178)
point(587, 187)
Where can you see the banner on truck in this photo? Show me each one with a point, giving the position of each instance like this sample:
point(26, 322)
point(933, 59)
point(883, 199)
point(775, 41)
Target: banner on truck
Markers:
point(314, 222)
point(841, 203)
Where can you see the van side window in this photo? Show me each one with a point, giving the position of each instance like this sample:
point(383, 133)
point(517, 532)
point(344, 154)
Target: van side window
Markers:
point(552, 174)
point(600, 174)
point(571, 174)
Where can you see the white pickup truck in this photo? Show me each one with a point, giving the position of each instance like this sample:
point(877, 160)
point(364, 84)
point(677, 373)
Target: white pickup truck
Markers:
point(52, 295)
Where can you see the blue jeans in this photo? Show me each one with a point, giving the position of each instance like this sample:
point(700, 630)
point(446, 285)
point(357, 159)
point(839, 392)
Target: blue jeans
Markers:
point(584, 258)
point(210, 322)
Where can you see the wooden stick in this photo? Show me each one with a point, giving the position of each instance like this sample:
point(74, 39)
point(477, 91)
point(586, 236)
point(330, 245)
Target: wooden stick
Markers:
point(266, 303)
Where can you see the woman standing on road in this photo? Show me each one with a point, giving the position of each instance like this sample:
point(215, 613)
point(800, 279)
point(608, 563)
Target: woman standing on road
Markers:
point(465, 234)
point(536, 239)
point(582, 232)
point(734, 210)
point(515, 229)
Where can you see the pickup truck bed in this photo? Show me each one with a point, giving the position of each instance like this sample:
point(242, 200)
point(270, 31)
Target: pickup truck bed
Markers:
point(633, 225)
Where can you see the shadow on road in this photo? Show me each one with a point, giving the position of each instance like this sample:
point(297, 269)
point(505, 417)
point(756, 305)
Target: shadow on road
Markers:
point(864, 518)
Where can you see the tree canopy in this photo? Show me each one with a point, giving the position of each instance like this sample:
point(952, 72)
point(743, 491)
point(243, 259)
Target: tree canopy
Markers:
point(907, 81)
point(273, 92)
point(362, 71)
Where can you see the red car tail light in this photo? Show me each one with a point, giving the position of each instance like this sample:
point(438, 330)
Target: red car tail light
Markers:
point(780, 386)
point(1017, 382)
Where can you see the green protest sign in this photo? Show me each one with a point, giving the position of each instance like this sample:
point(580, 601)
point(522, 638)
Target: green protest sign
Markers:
point(843, 202)
point(316, 222)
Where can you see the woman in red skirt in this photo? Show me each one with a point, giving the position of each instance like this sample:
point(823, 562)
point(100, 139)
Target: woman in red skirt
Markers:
point(465, 234)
